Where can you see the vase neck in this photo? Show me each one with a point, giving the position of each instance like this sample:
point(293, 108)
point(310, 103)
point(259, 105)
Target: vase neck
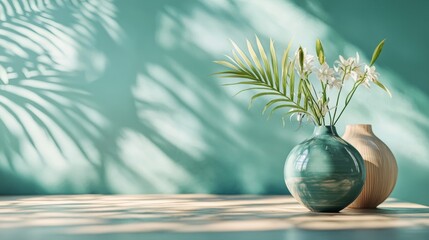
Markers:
point(365, 129)
point(325, 130)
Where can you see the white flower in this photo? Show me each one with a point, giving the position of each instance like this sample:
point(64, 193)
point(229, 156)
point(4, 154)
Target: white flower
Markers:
point(350, 67)
point(371, 75)
point(327, 76)
point(325, 73)
point(343, 63)
point(308, 63)
point(355, 68)
point(335, 83)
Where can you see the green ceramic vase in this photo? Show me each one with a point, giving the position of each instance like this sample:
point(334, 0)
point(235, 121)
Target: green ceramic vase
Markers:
point(324, 173)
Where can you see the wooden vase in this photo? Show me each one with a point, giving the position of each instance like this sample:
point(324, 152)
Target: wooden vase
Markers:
point(381, 167)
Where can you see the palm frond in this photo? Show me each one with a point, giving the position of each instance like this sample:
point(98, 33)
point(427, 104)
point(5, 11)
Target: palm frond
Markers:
point(264, 73)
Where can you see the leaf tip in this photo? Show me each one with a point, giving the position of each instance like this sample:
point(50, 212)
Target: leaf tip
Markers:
point(320, 52)
point(301, 57)
point(377, 52)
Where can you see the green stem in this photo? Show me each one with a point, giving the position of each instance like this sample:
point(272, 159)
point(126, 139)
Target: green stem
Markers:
point(347, 103)
point(324, 86)
point(324, 91)
point(350, 96)
point(330, 117)
point(314, 103)
point(317, 97)
point(339, 93)
point(323, 121)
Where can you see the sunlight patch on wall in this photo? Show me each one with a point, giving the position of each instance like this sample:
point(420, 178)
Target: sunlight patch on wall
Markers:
point(154, 171)
point(175, 123)
point(211, 33)
point(282, 21)
point(200, 29)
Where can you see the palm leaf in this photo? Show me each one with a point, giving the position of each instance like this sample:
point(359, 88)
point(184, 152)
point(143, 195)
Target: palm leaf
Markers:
point(252, 88)
point(265, 61)
point(256, 61)
point(235, 74)
point(238, 76)
point(260, 95)
point(245, 58)
point(242, 54)
point(297, 110)
point(274, 65)
point(235, 63)
point(282, 106)
point(270, 103)
point(285, 66)
point(243, 83)
point(242, 66)
point(299, 95)
point(292, 81)
point(294, 111)
point(227, 64)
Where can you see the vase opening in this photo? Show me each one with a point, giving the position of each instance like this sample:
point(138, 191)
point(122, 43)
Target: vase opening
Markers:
point(359, 128)
point(330, 130)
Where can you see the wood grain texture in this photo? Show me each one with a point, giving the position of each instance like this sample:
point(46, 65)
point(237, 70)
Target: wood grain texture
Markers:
point(381, 167)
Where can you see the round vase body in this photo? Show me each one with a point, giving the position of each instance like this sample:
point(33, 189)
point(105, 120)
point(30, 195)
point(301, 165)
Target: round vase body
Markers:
point(324, 173)
point(380, 164)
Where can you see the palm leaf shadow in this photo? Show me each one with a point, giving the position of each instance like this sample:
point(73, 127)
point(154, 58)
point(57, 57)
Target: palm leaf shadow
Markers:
point(47, 112)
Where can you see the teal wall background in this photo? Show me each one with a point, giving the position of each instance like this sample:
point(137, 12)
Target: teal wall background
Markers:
point(116, 96)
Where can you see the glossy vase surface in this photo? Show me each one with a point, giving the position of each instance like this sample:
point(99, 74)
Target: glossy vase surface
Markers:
point(324, 173)
point(381, 167)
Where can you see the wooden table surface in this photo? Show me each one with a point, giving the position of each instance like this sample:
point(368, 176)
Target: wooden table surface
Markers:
point(200, 217)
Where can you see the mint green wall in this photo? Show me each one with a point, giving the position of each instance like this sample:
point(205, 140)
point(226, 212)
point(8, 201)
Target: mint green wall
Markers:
point(116, 96)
